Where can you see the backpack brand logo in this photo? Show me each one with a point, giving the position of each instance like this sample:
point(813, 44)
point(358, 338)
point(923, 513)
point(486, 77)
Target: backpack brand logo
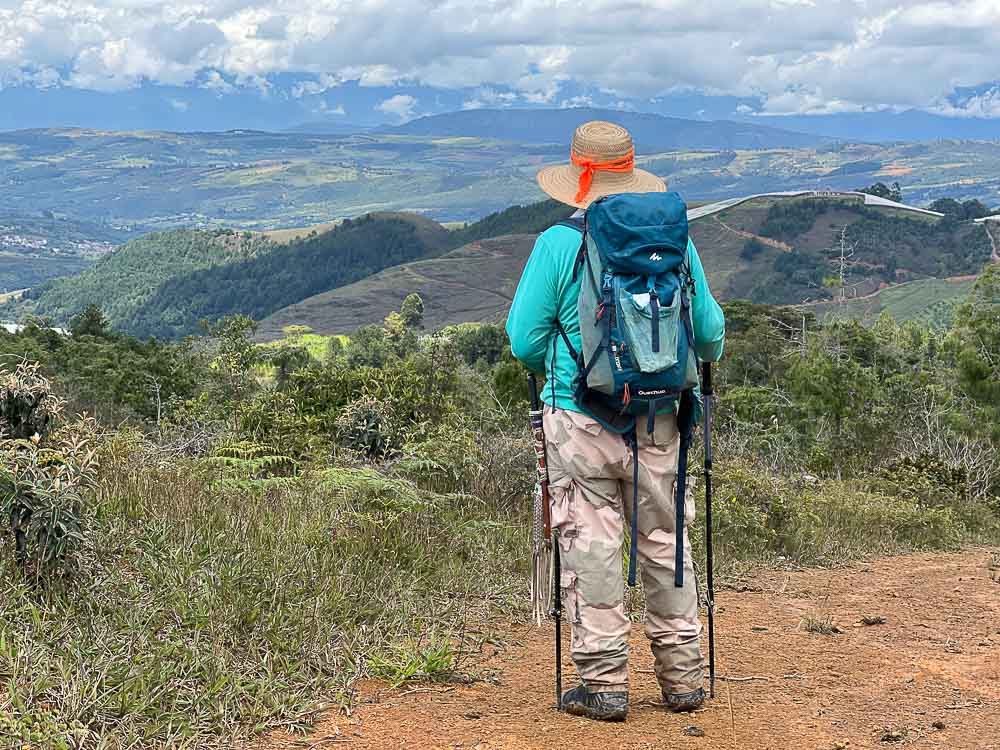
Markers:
point(655, 256)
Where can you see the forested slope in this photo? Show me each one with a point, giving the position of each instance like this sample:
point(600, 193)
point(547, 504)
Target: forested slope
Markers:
point(123, 282)
point(164, 284)
point(286, 274)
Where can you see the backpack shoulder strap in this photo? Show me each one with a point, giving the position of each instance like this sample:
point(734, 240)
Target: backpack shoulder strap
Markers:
point(578, 223)
point(573, 222)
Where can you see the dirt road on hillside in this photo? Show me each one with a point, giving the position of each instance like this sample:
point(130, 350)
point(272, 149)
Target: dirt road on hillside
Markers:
point(929, 677)
point(777, 244)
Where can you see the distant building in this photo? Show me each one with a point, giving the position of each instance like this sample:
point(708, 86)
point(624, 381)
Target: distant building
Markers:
point(17, 328)
point(868, 199)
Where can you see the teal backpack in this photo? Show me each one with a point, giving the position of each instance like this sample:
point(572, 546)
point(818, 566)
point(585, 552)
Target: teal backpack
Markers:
point(637, 355)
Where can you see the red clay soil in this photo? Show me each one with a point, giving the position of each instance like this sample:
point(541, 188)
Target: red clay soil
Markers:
point(929, 677)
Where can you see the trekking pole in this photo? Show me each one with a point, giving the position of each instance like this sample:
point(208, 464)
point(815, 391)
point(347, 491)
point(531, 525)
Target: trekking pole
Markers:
point(550, 535)
point(706, 385)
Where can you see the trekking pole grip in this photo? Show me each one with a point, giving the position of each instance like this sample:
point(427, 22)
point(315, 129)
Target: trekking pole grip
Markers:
point(706, 378)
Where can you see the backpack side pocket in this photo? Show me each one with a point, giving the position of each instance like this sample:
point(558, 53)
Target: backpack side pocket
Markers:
point(638, 323)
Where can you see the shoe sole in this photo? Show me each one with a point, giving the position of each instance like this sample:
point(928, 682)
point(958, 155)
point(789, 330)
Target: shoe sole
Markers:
point(684, 709)
point(578, 709)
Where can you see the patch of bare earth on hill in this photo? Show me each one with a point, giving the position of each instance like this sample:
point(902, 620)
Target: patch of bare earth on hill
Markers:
point(993, 232)
point(925, 673)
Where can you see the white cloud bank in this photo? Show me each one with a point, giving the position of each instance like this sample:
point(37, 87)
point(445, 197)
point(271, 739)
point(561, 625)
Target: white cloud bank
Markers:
point(797, 55)
point(400, 105)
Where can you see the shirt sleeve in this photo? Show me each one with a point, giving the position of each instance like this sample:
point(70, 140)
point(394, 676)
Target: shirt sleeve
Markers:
point(707, 318)
point(533, 312)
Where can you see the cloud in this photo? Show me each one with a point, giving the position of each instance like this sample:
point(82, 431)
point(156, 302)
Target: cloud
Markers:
point(328, 110)
point(179, 104)
point(400, 105)
point(320, 85)
point(487, 96)
point(794, 56)
point(984, 101)
point(214, 81)
point(272, 28)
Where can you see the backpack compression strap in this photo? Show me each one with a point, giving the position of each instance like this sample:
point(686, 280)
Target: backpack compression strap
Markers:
point(685, 425)
point(632, 440)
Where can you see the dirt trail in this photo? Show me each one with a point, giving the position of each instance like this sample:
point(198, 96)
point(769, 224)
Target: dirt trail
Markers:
point(931, 672)
point(777, 244)
point(993, 234)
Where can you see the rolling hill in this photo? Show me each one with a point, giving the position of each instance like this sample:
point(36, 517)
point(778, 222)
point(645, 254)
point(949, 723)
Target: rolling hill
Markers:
point(778, 250)
point(165, 283)
point(123, 283)
point(928, 301)
point(652, 133)
point(476, 282)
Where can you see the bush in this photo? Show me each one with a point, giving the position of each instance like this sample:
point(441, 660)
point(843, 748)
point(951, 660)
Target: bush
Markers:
point(369, 426)
point(46, 466)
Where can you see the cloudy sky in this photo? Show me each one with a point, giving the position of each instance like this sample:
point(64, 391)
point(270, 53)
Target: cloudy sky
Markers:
point(376, 60)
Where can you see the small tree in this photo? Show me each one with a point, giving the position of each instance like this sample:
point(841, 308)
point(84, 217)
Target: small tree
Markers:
point(91, 322)
point(412, 311)
point(235, 357)
point(890, 192)
point(287, 359)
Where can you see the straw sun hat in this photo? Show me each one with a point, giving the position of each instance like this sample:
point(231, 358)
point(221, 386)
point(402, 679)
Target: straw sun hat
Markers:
point(602, 162)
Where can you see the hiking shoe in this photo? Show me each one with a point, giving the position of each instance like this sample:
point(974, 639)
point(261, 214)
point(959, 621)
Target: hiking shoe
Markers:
point(598, 706)
point(680, 703)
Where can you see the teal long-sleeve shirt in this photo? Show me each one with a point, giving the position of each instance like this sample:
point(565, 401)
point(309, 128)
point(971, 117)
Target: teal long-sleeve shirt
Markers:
point(547, 293)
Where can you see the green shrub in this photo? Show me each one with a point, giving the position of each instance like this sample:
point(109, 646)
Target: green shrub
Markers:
point(46, 467)
point(370, 427)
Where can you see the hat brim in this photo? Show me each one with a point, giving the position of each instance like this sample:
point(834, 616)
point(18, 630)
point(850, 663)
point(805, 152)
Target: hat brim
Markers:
point(562, 182)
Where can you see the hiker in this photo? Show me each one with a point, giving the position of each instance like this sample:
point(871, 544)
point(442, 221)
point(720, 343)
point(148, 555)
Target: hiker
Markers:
point(591, 466)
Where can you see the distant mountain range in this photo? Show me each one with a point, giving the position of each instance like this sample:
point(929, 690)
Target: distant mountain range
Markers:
point(651, 132)
point(855, 127)
point(293, 102)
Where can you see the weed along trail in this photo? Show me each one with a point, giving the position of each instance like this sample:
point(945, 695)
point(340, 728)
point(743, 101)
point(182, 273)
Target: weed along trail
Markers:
point(802, 669)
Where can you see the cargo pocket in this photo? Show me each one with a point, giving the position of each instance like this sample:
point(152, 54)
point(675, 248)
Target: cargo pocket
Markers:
point(570, 596)
point(637, 320)
point(690, 507)
point(561, 495)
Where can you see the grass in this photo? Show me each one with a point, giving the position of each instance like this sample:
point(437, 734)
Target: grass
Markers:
point(929, 301)
point(472, 283)
point(819, 624)
point(212, 611)
point(317, 344)
point(283, 236)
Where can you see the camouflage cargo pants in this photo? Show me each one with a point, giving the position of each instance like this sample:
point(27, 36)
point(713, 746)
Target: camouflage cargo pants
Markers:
point(591, 488)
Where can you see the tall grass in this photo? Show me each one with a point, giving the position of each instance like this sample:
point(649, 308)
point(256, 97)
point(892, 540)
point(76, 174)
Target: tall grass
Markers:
point(215, 609)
